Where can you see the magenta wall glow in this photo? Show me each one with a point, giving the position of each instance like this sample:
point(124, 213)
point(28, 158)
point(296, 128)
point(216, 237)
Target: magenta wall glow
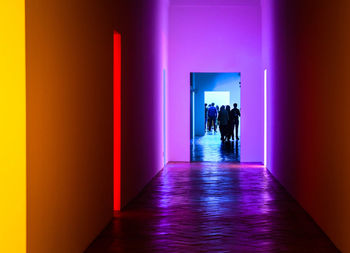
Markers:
point(215, 39)
point(144, 29)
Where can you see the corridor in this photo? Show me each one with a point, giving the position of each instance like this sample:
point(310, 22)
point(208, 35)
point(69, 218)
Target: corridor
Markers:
point(211, 207)
point(100, 101)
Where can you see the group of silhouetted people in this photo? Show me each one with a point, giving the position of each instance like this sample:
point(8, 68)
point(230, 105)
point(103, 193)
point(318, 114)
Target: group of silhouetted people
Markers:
point(227, 119)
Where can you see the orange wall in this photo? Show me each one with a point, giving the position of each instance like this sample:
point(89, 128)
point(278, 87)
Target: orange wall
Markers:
point(309, 66)
point(69, 123)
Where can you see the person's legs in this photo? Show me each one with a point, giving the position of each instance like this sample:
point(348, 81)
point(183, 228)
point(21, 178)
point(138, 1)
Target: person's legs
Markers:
point(209, 125)
point(214, 121)
point(229, 131)
point(237, 125)
point(222, 133)
point(226, 131)
point(234, 126)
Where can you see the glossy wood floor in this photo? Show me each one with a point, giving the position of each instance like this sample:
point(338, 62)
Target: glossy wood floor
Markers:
point(213, 207)
point(209, 148)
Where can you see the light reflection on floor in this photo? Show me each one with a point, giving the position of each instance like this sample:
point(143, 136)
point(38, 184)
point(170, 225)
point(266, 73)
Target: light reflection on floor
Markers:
point(209, 148)
point(213, 207)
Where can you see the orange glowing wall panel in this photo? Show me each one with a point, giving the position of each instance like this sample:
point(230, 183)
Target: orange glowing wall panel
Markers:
point(117, 116)
point(69, 80)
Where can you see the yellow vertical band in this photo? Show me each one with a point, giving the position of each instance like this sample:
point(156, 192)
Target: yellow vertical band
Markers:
point(12, 127)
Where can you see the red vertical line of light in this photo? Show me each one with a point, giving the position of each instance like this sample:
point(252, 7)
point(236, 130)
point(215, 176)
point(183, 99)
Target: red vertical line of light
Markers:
point(117, 116)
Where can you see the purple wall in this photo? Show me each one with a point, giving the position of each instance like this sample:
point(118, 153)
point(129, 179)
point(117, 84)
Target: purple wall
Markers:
point(215, 38)
point(306, 52)
point(143, 26)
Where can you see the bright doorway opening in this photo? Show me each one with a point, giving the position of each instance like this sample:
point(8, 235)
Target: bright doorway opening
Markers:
point(215, 117)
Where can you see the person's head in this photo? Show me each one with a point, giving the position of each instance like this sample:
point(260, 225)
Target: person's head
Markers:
point(235, 105)
point(228, 108)
point(222, 108)
point(212, 104)
point(205, 104)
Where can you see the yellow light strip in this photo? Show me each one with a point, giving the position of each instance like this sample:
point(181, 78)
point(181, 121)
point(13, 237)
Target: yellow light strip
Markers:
point(12, 127)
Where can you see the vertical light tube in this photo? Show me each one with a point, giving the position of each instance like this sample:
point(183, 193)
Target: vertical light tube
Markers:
point(265, 118)
point(117, 116)
point(164, 116)
point(193, 116)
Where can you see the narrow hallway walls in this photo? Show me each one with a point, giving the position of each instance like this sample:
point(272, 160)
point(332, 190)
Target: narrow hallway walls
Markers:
point(307, 55)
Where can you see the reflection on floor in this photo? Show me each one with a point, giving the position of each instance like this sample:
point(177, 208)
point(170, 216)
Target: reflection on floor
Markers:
point(209, 148)
point(213, 207)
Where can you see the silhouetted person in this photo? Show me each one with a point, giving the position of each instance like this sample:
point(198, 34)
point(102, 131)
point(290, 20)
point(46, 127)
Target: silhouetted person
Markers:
point(223, 120)
point(217, 122)
point(212, 114)
point(205, 116)
point(229, 124)
point(235, 114)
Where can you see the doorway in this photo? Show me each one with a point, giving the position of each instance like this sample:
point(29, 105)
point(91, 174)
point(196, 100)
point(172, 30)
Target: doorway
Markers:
point(215, 136)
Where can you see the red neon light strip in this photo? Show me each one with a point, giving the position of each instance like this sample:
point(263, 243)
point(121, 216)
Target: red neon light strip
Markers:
point(117, 116)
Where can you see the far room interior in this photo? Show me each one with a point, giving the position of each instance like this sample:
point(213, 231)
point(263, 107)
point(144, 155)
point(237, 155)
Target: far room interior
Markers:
point(215, 127)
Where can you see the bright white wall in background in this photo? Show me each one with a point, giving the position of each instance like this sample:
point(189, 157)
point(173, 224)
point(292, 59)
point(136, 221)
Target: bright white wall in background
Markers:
point(218, 97)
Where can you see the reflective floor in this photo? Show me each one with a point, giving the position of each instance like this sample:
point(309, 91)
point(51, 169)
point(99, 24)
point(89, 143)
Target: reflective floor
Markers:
point(209, 148)
point(212, 207)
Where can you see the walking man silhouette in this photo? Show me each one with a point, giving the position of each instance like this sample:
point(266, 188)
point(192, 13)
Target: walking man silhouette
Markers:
point(235, 114)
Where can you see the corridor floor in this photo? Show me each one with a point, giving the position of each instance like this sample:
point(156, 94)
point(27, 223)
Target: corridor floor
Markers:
point(209, 148)
point(213, 207)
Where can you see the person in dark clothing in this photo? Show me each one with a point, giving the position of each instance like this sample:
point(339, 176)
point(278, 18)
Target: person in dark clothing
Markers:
point(212, 114)
point(205, 116)
point(235, 114)
point(230, 123)
point(223, 120)
point(217, 122)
